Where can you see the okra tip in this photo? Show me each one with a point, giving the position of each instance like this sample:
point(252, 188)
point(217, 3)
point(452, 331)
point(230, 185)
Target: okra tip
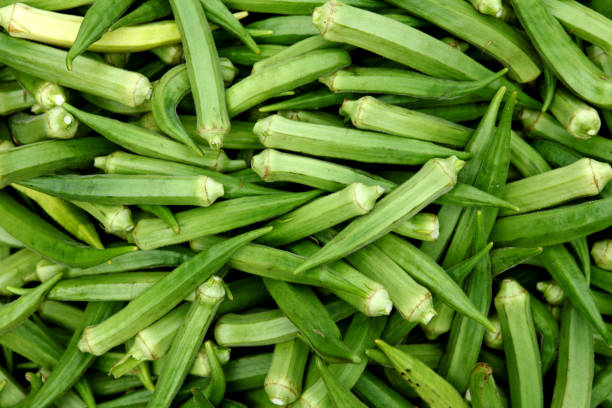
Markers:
point(584, 123)
point(379, 303)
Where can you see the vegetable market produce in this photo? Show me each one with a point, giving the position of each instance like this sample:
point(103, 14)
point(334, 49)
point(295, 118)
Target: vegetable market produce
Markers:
point(305, 203)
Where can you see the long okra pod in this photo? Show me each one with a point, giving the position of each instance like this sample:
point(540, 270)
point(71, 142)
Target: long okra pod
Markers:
point(217, 12)
point(187, 342)
point(520, 345)
point(315, 42)
point(483, 391)
point(203, 70)
point(283, 383)
point(43, 238)
point(338, 394)
point(161, 297)
point(581, 120)
point(129, 88)
point(116, 189)
point(434, 179)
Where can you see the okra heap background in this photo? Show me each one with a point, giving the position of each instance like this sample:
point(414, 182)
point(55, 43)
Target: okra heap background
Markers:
point(263, 203)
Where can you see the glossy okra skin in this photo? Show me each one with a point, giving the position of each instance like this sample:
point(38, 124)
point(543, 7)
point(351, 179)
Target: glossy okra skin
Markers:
point(50, 156)
point(483, 390)
point(116, 189)
point(161, 297)
point(203, 70)
point(339, 142)
point(194, 223)
point(53, 124)
point(129, 88)
point(520, 345)
point(581, 120)
point(435, 178)
point(555, 154)
point(283, 383)
point(602, 254)
point(503, 259)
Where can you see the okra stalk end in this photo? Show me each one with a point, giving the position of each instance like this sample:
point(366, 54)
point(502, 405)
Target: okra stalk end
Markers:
point(584, 124)
point(379, 303)
point(602, 253)
point(211, 190)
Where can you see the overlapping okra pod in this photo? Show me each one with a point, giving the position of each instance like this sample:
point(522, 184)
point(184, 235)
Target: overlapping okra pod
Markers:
point(483, 390)
point(283, 382)
point(53, 124)
point(581, 120)
point(47, 94)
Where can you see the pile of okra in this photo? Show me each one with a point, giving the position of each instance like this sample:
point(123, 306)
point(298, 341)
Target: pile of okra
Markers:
point(307, 204)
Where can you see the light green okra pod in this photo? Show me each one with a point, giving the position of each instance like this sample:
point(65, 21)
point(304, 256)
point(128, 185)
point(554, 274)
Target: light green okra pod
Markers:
point(61, 313)
point(315, 42)
point(422, 226)
point(15, 269)
point(483, 390)
point(47, 94)
point(114, 218)
point(283, 383)
point(56, 123)
point(602, 254)
point(581, 120)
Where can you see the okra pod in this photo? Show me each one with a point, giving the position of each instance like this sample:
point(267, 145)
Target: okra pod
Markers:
point(581, 120)
point(435, 178)
point(149, 10)
point(457, 113)
point(422, 226)
point(506, 258)
point(47, 94)
point(555, 154)
point(11, 393)
point(339, 142)
point(117, 107)
point(483, 390)
point(14, 269)
point(520, 345)
point(601, 387)
point(602, 253)
point(377, 393)
point(494, 338)
point(311, 43)
point(548, 328)
point(114, 218)
point(161, 297)
point(283, 383)
point(321, 118)
point(338, 394)
point(61, 314)
point(311, 100)
point(171, 54)
point(288, 75)
point(163, 213)
point(227, 215)
point(551, 292)
point(240, 136)
point(286, 29)
point(53, 124)
point(13, 98)
point(242, 55)
point(292, 7)
point(116, 189)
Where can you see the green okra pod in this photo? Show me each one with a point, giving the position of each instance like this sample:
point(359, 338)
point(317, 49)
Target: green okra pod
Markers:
point(483, 390)
point(551, 292)
point(371, 114)
point(47, 94)
point(30, 341)
point(203, 70)
point(457, 113)
point(163, 213)
point(171, 54)
point(61, 313)
point(339, 142)
point(283, 382)
point(227, 215)
point(395, 81)
point(242, 55)
point(581, 120)
point(124, 163)
point(548, 328)
point(50, 156)
point(494, 338)
point(311, 100)
point(187, 342)
point(114, 218)
point(602, 254)
point(56, 123)
point(15, 269)
point(422, 226)
point(44, 239)
point(461, 270)
point(288, 75)
point(286, 29)
point(355, 200)
point(70, 217)
point(601, 387)
point(435, 178)
point(555, 154)
point(161, 297)
point(506, 258)
point(312, 43)
point(13, 98)
point(321, 118)
point(11, 393)
point(520, 345)
point(117, 189)
point(240, 136)
point(147, 143)
point(117, 107)
point(432, 388)
point(428, 353)
point(149, 10)
point(575, 363)
point(293, 7)
point(377, 393)
point(338, 394)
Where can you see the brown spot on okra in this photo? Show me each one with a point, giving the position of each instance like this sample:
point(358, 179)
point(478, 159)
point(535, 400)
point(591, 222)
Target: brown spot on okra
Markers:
point(319, 332)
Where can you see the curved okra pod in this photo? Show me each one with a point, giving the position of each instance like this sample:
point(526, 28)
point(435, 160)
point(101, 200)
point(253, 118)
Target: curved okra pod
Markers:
point(149, 10)
point(548, 328)
point(395, 81)
point(315, 325)
point(217, 12)
point(56, 123)
point(124, 163)
point(43, 238)
point(435, 178)
point(223, 216)
point(47, 94)
point(273, 165)
point(503, 259)
point(114, 218)
point(158, 300)
point(311, 100)
point(282, 77)
point(581, 120)
point(283, 383)
point(147, 143)
point(163, 213)
point(568, 61)
point(602, 254)
point(338, 393)
point(16, 268)
point(483, 391)
point(172, 87)
point(575, 363)
point(520, 345)
point(118, 189)
point(422, 226)
point(355, 200)
point(187, 342)
point(203, 70)
point(129, 88)
point(70, 217)
point(548, 87)
point(432, 388)
point(50, 156)
point(14, 313)
point(73, 363)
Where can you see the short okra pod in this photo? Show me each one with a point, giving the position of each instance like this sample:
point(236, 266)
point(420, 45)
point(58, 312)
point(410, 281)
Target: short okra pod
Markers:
point(49, 156)
point(14, 269)
point(423, 226)
point(435, 178)
point(43, 238)
point(432, 388)
point(483, 390)
point(223, 216)
point(574, 380)
point(322, 213)
point(283, 383)
point(56, 123)
point(116, 189)
point(203, 70)
point(394, 81)
point(581, 120)
point(114, 218)
point(273, 165)
point(284, 76)
point(520, 345)
point(161, 297)
point(47, 94)
point(602, 253)
point(129, 88)
point(343, 143)
point(187, 342)
point(124, 163)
